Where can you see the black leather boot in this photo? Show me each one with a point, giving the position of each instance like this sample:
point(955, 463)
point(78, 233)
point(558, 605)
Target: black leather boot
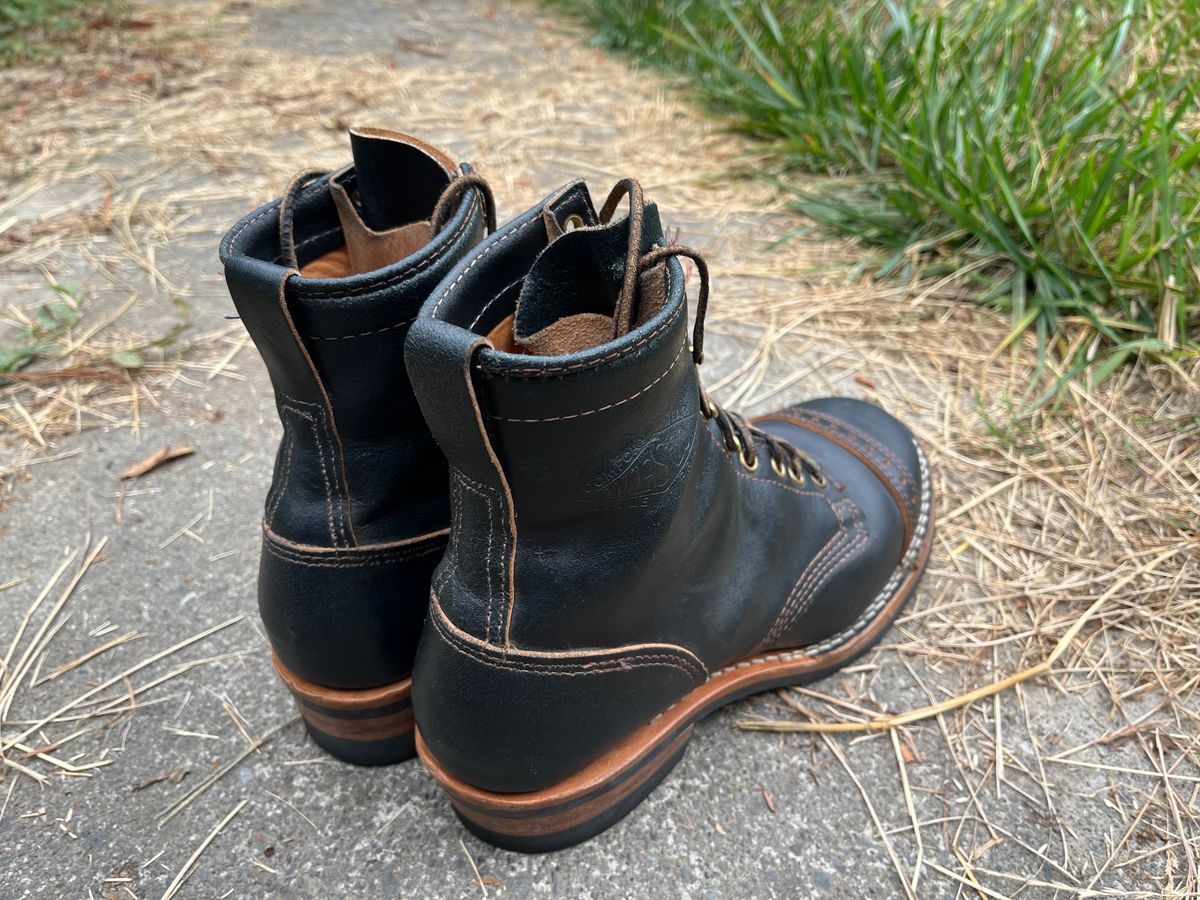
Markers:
point(327, 280)
point(625, 556)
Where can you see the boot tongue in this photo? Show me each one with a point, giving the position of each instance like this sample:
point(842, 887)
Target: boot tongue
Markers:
point(385, 200)
point(570, 299)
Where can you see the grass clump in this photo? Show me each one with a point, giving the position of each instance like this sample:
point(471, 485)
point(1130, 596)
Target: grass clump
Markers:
point(1045, 151)
point(29, 27)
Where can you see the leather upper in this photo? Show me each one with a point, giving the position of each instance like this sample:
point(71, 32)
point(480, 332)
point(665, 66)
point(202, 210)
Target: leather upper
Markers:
point(358, 500)
point(596, 510)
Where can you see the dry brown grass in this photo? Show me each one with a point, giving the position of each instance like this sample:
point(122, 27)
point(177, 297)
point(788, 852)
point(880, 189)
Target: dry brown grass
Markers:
point(1093, 503)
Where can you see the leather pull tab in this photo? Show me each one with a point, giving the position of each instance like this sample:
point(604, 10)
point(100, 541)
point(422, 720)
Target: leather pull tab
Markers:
point(439, 358)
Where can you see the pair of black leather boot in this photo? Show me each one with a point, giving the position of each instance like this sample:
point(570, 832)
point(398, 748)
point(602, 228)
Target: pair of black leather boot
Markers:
point(608, 555)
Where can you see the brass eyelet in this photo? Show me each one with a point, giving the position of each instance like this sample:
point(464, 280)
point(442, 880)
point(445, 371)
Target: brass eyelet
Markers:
point(574, 222)
point(797, 475)
point(820, 480)
point(737, 445)
point(778, 468)
point(747, 466)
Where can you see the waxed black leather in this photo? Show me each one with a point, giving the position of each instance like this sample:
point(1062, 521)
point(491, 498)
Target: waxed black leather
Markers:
point(597, 512)
point(357, 509)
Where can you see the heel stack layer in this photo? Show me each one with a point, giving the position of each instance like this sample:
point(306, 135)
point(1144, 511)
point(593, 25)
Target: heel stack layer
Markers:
point(368, 727)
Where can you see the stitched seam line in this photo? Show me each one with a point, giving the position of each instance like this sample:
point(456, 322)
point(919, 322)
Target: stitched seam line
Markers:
point(343, 562)
point(851, 432)
point(804, 598)
point(483, 310)
point(285, 475)
point(492, 245)
point(505, 546)
point(487, 564)
point(568, 668)
point(778, 625)
point(333, 534)
point(607, 406)
point(346, 337)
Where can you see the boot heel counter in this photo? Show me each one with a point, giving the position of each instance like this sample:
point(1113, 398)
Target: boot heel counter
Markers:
point(515, 720)
point(346, 617)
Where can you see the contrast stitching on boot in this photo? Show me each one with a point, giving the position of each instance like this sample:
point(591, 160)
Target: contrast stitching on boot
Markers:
point(881, 600)
point(285, 475)
point(343, 561)
point(333, 535)
point(778, 625)
point(533, 373)
point(493, 301)
point(403, 273)
point(482, 253)
point(803, 492)
point(473, 486)
point(346, 337)
point(309, 240)
point(272, 207)
point(803, 594)
point(323, 444)
point(568, 667)
point(607, 406)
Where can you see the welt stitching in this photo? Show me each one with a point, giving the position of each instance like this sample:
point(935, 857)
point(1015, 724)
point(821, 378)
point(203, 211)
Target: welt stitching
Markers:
point(778, 625)
point(466, 483)
point(570, 668)
point(285, 475)
point(530, 372)
point(403, 273)
point(606, 406)
point(346, 337)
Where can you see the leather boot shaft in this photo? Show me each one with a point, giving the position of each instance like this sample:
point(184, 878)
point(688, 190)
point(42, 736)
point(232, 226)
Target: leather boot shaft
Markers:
point(357, 508)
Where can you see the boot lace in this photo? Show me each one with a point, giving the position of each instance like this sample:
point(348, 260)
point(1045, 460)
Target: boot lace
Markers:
point(739, 435)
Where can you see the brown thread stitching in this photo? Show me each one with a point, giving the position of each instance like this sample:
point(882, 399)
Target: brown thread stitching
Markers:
point(852, 432)
point(346, 337)
point(607, 406)
point(492, 245)
point(382, 559)
point(403, 273)
point(467, 483)
point(570, 668)
point(847, 553)
point(333, 536)
point(802, 596)
point(285, 475)
point(777, 625)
